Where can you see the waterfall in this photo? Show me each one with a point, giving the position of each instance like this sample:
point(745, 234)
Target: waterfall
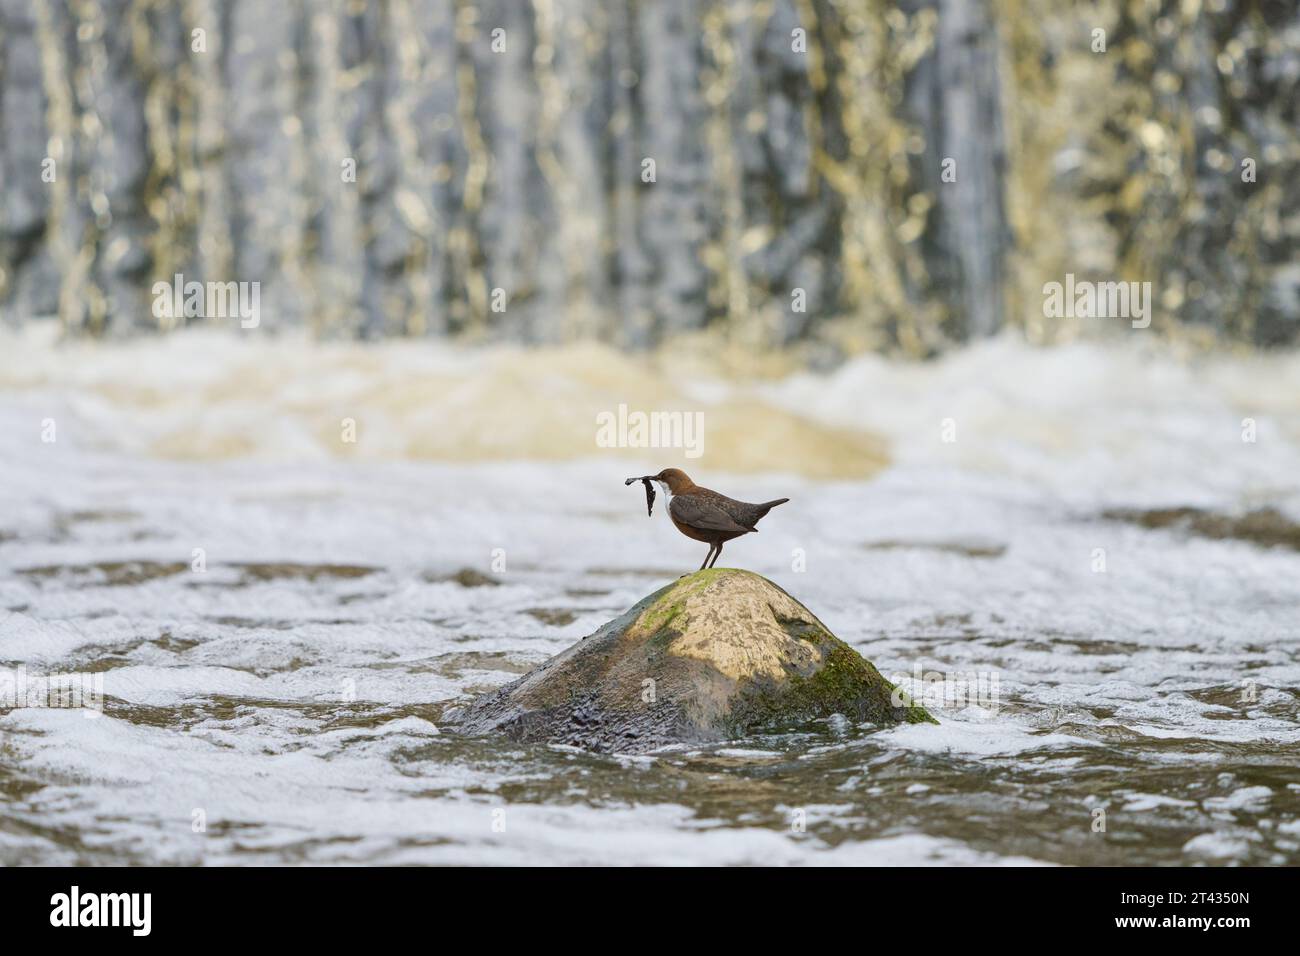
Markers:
point(841, 176)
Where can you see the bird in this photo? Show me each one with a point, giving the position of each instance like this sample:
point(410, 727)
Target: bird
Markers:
point(702, 513)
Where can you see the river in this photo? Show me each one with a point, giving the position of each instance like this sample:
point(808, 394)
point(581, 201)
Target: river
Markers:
point(1108, 535)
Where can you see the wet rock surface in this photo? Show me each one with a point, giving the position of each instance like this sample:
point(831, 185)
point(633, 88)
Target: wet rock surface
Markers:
point(714, 656)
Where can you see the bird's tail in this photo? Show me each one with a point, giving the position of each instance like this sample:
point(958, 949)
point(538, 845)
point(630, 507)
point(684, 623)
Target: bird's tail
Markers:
point(762, 510)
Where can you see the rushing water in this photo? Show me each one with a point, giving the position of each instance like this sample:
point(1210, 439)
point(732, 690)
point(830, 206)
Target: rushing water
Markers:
point(289, 696)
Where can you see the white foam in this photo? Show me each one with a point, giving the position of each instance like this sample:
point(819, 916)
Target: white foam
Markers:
point(260, 702)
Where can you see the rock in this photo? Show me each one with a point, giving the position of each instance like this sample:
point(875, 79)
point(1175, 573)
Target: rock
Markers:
point(716, 655)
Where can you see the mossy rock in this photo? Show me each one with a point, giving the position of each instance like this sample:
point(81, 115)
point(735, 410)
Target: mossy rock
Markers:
point(716, 655)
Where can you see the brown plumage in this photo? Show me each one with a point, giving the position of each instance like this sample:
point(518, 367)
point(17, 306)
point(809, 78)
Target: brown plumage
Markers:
point(705, 515)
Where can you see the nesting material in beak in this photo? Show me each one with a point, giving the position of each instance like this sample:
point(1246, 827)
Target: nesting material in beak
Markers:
point(649, 493)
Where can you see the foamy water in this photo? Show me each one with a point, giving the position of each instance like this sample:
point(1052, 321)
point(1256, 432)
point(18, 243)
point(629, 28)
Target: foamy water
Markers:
point(288, 697)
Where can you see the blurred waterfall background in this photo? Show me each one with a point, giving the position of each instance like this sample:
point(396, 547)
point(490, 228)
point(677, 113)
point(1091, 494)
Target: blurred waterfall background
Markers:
point(799, 196)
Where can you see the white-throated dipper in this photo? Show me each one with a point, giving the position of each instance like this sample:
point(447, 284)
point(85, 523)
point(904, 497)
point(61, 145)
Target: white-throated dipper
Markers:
point(702, 513)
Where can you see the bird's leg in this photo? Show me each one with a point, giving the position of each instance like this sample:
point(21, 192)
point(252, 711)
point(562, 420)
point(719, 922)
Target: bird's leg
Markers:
point(707, 556)
point(716, 554)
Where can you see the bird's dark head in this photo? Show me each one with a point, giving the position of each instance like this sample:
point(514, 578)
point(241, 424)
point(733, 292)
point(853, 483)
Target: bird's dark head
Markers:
point(675, 480)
